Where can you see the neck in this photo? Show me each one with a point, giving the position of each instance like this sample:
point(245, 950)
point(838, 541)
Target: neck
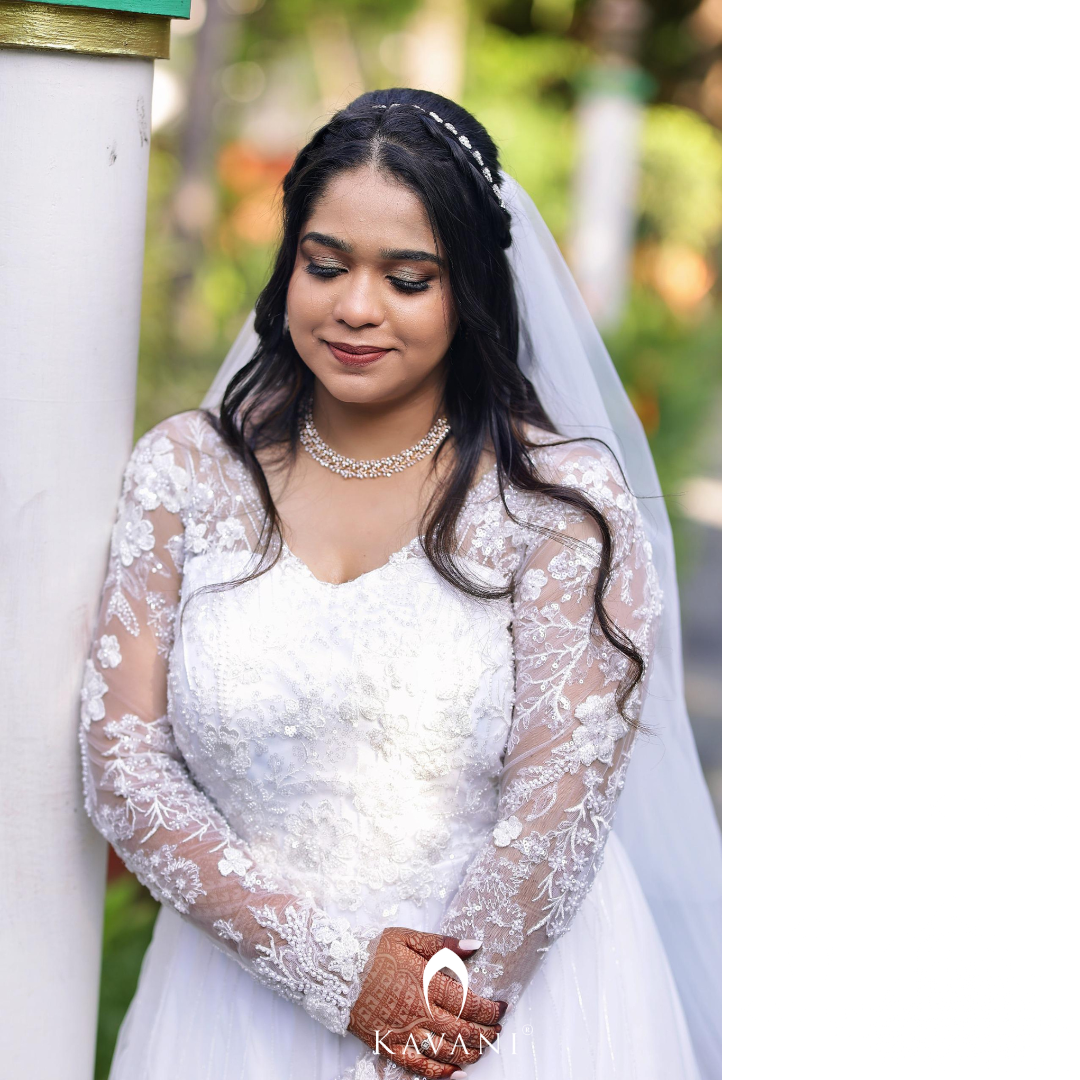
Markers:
point(366, 431)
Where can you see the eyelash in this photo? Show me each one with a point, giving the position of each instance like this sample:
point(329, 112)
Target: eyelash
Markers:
point(401, 284)
point(404, 285)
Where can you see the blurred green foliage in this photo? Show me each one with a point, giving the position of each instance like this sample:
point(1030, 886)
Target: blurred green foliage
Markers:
point(130, 912)
point(673, 372)
point(289, 20)
point(669, 51)
point(518, 88)
point(681, 166)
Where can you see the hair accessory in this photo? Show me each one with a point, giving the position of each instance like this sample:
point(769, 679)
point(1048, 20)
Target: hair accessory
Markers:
point(460, 138)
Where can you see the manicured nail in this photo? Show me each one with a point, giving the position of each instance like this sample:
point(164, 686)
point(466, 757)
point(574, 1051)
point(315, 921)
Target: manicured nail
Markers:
point(468, 944)
point(503, 1006)
point(459, 1075)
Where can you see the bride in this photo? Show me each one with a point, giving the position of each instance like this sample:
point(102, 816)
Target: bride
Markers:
point(372, 659)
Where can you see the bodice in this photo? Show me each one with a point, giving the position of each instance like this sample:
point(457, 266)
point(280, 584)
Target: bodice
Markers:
point(352, 733)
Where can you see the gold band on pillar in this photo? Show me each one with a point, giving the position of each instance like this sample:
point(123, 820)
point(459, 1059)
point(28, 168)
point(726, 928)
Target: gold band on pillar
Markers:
point(26, 25)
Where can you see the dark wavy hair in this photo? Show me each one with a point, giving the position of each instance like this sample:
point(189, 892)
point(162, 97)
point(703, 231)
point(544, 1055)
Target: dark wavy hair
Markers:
point(487, 398)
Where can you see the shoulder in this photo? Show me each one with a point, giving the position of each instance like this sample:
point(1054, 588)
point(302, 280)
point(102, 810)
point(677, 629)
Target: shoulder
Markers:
point(552, 524)
point(192, 440)
point(169, 463)
point(587, 465)
point(191, 431)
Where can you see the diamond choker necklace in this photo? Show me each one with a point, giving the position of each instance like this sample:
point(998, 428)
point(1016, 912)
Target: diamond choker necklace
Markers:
point(352, 469)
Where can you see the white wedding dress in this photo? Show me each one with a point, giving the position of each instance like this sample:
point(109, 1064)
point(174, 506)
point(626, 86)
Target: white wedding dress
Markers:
point(295, 765)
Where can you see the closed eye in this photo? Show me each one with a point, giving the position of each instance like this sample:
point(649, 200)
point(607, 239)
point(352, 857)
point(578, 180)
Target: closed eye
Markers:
point(323, 271)
point(405, 285)
point(408, 285)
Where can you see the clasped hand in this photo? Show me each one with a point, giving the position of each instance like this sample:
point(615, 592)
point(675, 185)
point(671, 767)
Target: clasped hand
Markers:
point(391, 1018)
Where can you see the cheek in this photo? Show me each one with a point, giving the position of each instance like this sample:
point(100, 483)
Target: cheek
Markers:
point(427, 323)
point(306, 302)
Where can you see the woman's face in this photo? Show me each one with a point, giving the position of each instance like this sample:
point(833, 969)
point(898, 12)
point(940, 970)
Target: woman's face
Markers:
point(370, 310)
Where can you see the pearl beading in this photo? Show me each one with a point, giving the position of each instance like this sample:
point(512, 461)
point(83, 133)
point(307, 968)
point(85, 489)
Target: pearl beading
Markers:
point(352, 469)
point(460, 138)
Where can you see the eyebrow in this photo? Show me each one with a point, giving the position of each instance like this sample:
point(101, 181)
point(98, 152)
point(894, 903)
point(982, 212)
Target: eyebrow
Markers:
point(396, 254)
point(326, 241)
point(410, 255)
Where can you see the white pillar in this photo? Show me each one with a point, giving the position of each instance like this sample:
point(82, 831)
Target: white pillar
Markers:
point(605, 201)
point(609, 120)
point(74, 154)
point(433, 47)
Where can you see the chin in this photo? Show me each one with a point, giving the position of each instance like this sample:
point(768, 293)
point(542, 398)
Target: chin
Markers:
point(365, 387)
point(357, 389)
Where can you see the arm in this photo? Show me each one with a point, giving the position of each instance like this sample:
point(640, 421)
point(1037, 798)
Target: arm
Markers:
point(568, 748)
point(139, 793)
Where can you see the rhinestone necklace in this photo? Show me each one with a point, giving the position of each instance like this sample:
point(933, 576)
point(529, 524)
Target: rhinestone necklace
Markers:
point(352, 469)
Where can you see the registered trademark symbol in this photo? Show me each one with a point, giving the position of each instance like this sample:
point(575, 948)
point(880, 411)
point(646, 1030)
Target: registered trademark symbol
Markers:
point(527, 1028)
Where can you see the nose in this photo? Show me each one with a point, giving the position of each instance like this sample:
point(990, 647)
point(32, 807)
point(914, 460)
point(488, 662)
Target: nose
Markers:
point(360, 302)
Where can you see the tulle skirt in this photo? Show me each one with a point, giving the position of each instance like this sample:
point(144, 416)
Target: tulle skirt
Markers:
point(602, 1006)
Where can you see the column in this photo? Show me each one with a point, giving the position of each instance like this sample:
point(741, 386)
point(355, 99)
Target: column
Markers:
point(75, 86)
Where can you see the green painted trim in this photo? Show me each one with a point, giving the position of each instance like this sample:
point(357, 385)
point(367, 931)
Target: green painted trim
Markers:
point(174, 9)
point(26, 24)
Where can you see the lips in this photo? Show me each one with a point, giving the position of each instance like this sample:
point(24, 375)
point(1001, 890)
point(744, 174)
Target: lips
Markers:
point(355, 355)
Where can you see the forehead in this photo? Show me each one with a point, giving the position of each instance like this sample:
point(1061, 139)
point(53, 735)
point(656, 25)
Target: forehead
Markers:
point(372, 210)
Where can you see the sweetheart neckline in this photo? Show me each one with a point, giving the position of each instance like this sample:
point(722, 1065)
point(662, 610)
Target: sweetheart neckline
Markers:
point(394, 557)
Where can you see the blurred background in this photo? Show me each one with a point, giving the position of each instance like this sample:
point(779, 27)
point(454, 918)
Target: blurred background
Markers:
point(608, 112)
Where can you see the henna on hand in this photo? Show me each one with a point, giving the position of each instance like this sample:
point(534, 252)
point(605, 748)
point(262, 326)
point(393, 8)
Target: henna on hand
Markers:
point(390, 1012)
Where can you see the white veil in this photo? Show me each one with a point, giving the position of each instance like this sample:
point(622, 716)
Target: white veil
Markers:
point(664, 817)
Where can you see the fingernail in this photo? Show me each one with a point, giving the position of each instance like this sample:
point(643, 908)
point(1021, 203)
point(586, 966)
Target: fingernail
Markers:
point(503, 1006)
point(468, 943)
point(459, 1075)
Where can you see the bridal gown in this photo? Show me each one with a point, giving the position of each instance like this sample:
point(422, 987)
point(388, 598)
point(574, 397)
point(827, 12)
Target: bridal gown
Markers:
point(291, 766)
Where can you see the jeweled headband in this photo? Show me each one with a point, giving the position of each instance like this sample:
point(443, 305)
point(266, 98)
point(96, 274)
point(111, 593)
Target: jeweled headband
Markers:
point(460, 138)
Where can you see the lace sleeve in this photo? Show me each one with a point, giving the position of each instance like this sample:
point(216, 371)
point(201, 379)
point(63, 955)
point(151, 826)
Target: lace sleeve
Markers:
point(139, 792)
point(569, 747)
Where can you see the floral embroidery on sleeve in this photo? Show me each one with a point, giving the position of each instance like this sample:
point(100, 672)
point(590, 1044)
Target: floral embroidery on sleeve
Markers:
point(139, 792)
point(569, 747)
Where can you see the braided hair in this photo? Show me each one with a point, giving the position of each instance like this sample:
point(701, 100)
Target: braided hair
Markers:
point(447, 159)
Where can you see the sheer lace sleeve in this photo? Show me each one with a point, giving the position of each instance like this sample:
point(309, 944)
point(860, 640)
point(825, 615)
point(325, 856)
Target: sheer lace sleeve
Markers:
point(139, 792)
point(569, 747)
